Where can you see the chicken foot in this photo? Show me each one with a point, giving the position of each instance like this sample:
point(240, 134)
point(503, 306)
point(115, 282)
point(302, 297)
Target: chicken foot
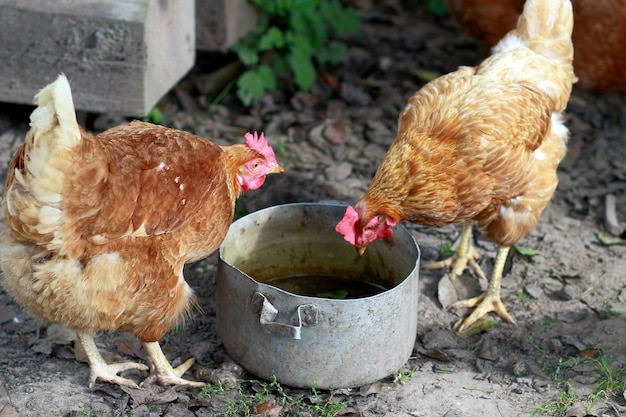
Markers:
point(163, 372)
point(488, 301)
point(99, 369)
point(464, 258)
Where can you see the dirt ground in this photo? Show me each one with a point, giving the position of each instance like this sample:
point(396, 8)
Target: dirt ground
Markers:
point(568, 298)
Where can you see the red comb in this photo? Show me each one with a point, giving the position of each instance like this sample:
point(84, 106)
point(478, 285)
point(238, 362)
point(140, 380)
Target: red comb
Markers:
point(259, 144)
point(347, 225)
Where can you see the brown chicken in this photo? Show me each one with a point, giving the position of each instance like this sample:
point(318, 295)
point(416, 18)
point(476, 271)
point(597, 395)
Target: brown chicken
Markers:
point(598, 36)
point(96, 229)
point(482, 144)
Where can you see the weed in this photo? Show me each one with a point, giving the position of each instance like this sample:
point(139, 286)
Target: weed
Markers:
point(446, 249)
point(210, 390)
point(293, 35)
point(436, 7)
point(154, 116)
point(404, 375)
point(558, 407)
point(522, 297)
point(545, 325)
point(244, 404)
point(609, 310)
point(612, 382)
point(87, 412)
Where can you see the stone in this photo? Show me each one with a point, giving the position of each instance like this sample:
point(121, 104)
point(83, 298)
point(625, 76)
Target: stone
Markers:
point(120, 56)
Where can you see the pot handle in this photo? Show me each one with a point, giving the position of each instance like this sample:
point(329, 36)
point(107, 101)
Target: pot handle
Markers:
point(306, 315)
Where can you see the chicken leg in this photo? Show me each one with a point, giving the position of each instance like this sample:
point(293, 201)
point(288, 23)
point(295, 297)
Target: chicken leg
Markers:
point(490, 299)
point(163, 372)
point(464, 258)
point(99, 369)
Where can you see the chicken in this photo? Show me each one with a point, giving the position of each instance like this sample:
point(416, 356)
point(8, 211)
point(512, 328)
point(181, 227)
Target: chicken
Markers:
point(96, 229)
point(598, 35)
point(479, 144)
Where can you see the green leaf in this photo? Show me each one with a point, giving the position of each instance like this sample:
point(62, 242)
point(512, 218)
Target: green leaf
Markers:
point(334, 53)
point(348, 22)
point(526, 251)
point(247, 55)
point(341, 20)
point(436, 7)
point(608, 240)
point(273, 38)
point(255, 83)
point(154, 116)
point(303, 70)
point(299, 42)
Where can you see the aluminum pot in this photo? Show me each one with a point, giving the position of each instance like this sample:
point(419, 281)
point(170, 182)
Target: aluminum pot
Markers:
point(307, 341)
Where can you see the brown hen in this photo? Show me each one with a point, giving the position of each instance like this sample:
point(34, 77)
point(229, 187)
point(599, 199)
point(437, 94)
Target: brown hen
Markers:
point(479, 144)
point(96, 229)
point(598, 36)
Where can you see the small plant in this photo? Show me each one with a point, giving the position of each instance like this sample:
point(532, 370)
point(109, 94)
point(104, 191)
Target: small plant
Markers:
point(609, 310)
point(446, 249)
point(87, 412)
point(526, 251)
point(213, 389)
point(245, 404)
point(154, 116)
point(293, 35)
point(612, 382)
point(522, 297)
point(404, 375)
point(558, 407)
point(436, 7)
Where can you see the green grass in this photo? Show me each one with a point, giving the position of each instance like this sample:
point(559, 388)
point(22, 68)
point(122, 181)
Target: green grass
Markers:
point(609, 385)
point(254, 394)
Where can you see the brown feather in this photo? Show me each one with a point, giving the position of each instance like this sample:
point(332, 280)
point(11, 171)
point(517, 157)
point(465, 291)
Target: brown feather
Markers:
point(138, 202)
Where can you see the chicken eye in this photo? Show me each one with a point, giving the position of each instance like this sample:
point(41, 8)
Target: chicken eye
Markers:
point(255, 165)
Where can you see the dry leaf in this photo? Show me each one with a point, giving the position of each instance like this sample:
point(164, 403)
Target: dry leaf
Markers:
point(8, 410)
point(369, 389)
point(437, 354)
point(267, 409)
point(132, 347)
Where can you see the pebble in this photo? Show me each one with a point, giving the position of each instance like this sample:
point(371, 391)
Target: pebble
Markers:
point(338, 172)
point(573, 315)
point(533, 290)
point(441, 339)
point(488, 350)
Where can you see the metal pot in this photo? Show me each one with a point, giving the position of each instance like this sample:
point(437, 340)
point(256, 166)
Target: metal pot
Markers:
point(307, 341)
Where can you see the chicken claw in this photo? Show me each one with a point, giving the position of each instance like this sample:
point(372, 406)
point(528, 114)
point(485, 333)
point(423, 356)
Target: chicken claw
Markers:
point(488, 301)
point(464, 257)
point(163, 372)
point(99, 369)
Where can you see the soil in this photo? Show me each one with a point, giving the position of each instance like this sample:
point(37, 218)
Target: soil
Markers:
point(565, 287)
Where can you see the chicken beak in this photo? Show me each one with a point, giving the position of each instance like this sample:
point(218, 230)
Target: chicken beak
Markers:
point(276, 169)
point(361, 250)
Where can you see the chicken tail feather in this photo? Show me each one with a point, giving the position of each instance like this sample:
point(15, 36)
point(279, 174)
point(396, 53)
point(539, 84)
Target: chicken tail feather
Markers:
point(54, 119)
point(545, 27)
point(35, 192)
